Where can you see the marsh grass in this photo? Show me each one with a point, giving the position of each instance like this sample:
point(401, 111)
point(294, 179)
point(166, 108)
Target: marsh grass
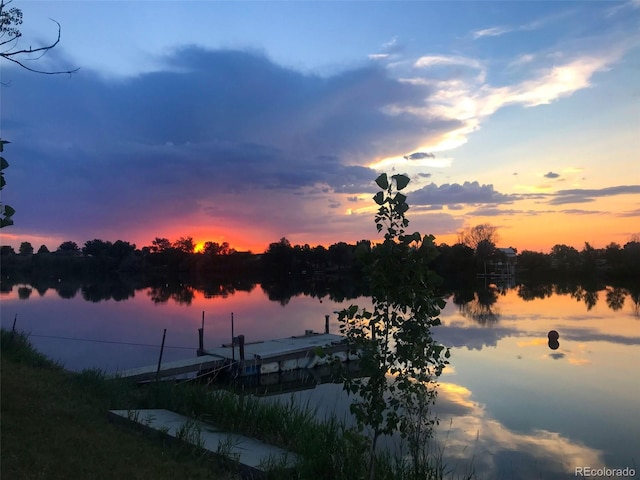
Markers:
point(54, 426)
point(191, 432)
point(328, 449)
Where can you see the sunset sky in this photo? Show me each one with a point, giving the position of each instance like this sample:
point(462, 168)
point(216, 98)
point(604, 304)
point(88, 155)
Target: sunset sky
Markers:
point(246, 122)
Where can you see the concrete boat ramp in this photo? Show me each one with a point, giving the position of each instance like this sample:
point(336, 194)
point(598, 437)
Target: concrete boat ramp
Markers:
point(254, 457)
point(245, 359)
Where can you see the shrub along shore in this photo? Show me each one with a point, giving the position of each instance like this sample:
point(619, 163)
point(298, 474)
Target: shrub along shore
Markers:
point(54, 425)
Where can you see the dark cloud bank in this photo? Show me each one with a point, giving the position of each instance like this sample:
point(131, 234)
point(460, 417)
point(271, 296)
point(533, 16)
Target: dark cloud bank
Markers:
point(216, 132)
point(102, 151)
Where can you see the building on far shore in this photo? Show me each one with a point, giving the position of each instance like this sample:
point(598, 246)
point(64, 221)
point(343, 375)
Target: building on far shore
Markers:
point(504, 265)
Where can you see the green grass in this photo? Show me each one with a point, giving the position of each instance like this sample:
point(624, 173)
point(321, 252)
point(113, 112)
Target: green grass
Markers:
point(54, 425)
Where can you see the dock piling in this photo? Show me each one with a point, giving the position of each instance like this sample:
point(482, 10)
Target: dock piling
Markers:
point(13, 329)
point(161, 351)
point(201, 337)
point(326, 324)
point(233, 341)
point(241, 345)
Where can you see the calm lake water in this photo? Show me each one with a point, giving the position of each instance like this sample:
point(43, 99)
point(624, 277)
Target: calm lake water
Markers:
point(508, 403)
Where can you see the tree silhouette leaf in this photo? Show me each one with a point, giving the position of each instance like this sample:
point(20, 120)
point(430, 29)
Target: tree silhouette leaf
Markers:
point(401, 181)
point(383, 181)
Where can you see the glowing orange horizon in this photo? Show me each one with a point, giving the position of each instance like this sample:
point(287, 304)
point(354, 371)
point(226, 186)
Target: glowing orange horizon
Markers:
point(521, 241)
point(527, 232)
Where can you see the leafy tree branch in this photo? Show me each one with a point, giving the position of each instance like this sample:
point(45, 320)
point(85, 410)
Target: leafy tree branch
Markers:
point(6, 211)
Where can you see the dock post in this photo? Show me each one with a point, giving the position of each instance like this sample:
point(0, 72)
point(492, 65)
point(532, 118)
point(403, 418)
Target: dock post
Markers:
point(200, 341)
point(241, 344)
point(13, 329)
point(326, 324)
point(161, 350)
point(233, 341)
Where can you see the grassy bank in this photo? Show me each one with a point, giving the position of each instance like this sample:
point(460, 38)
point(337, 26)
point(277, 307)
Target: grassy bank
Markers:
point(54, 425)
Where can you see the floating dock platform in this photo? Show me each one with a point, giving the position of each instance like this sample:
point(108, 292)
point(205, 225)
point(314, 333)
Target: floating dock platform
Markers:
point(257, 358)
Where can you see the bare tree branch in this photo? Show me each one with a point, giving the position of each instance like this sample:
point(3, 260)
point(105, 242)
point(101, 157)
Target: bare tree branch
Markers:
point(8, 25)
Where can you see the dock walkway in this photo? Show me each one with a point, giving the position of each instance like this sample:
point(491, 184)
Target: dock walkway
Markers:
point(169, 369)
point(253, 455)
point(269, 356)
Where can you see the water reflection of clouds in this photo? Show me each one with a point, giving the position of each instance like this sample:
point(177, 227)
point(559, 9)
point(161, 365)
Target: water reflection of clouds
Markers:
point(471, 439)
point(591, 335)
point(534, 342)
point(473, 338)
point(454, 334)
point(471, 435)
point(579, 361)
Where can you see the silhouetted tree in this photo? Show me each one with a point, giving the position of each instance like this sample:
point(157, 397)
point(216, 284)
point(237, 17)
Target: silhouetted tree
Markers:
point(631, 253)
point(43, 250)
point(455, 263)
point(485, 251)
point(185, 244)
point(120, 250)
point(68, 247)
point(565, 258)
point(473, 236)
point(341, 254)
point(589, 258)
point(97, 248)
point(319, 257)
point(26, 248)
point(613, 255)
point(159, 245)
point(279, 257)
point(214, 248)
point(533, 263)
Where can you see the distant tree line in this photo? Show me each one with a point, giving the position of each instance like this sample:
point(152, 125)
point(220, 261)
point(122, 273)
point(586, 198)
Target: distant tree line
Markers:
point(103, 270)
point(613, 261)
point(456, 263)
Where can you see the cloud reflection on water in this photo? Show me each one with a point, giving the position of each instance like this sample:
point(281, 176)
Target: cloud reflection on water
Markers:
point(470, 434)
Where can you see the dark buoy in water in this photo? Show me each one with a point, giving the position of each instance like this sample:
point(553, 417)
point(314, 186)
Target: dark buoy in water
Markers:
point(553, 339)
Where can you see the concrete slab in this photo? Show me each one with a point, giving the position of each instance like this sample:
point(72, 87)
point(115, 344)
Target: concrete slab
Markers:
point(253, 455)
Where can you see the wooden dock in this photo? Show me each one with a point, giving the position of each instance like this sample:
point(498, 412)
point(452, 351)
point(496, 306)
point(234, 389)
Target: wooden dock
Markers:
point(257, 358)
